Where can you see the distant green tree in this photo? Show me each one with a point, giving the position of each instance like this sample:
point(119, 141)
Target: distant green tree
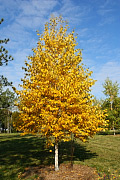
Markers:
point(4, 57)
point(114, 114)
point(116, 107)
point(6, 96)
point(111, 90)
point(98, 101)
point(112, 103)
point(4, 82)
point(7, 99)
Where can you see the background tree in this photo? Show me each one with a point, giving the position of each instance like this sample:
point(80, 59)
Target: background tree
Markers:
point(15, 119)
point(98, 102)
point(4, 57)
point(114, 114)
point(111, 90)
point(4, 82)
point(6, 96)
point(117, 114)
point(56, 99)
point(7, 99)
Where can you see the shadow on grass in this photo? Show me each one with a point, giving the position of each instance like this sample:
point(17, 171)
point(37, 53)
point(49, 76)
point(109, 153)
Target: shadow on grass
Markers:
point(5, 136)
point(80, 152)
point(17, 153)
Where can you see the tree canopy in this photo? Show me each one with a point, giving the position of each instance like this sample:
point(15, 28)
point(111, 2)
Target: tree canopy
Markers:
point(56, 100)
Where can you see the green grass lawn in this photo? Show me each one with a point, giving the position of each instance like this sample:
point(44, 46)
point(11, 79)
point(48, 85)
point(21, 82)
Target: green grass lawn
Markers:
point(19, 152)
point(106, 154)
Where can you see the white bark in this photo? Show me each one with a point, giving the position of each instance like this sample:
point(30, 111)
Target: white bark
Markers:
point(114, 131)
point(56, 157)
point(8, 123)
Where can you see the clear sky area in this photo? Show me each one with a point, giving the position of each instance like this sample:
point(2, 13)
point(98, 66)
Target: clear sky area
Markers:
point(97, 23)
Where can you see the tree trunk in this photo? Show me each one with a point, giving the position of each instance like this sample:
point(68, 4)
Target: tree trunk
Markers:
point(111, 105)
point(8, 123)
point(113, 121)
point(113, 128)
point(72, 149)
point(56, 156)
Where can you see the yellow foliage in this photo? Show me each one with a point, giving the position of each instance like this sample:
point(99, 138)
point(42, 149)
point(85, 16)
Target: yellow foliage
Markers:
point(56, 99)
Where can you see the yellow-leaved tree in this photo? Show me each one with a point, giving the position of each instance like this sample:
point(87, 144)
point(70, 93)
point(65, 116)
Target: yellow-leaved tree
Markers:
point(55, 100)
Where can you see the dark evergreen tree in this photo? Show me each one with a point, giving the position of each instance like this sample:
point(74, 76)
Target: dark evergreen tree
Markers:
point(7, 99)
point(6, 96)
point(4, 57)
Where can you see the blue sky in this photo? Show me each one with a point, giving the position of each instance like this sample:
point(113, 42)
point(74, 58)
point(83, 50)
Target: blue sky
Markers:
point(97, 23)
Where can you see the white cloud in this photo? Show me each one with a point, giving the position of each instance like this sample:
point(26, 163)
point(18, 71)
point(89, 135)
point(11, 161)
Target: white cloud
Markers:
point(107, 12)
point(106, 20)
point(34, 12)
point(108, 3)
point(74, 13)
point(110, 69)
point(104, 12)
